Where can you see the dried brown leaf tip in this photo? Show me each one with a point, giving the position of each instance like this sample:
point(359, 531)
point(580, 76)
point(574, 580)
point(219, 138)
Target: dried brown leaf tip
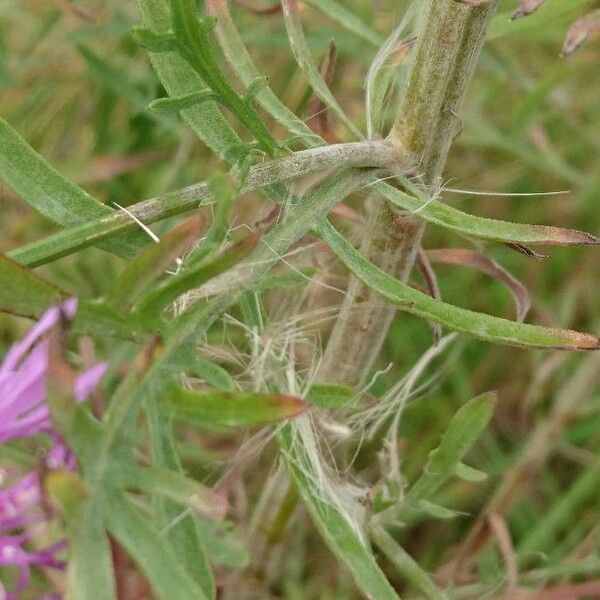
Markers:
point(526, 7)
point(320, 120)
point(580, 31)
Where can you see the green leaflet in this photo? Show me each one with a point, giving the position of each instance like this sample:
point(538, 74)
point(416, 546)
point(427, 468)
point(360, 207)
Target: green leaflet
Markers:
point(342, 540)
point(492, 329)
point(90, 572)
point(230, 409)
point(183, 531)
point(446, 460)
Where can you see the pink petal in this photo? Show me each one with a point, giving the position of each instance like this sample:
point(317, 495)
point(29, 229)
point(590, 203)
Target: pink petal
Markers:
point(86, 382)
point(50, 318)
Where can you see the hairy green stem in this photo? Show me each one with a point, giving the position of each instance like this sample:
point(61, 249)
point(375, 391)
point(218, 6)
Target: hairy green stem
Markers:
point(444, 58)
point(297, 164)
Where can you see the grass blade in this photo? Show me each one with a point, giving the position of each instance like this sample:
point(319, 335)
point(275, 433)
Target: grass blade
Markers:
point(486, 327)
point(304, 59)
point(347, 19)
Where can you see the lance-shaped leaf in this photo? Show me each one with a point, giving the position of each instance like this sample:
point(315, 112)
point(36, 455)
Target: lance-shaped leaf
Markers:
point(153, 304)
point(470, 258)
point(47, 191)
point(446, 216)
point(330, 395)
point(333, 526)
point(476, 324)
point(305, 61)
point(147, 546)
point(231, 409)
point(446, 460)
point(174, 486)
point(23, 292)
point(152, 264)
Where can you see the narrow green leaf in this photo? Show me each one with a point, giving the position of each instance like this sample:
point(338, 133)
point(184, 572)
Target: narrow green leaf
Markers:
point(174, 486)
point(435, 510)
point(90, 571)
point(347, 19)
point(118, 223)
point(287, 279)
point(305, 61)
point(464, 429)
point(46, 190)
point(224, 194)
point(153, 304)
point(231, 409)
point(469, 473)
point(406, 565)
point(155, 41)
point(179, 79)
point(212, 373)
point(182, 530)
point(195, 46)
point(241, 62)
point(475, 324)
point(342, 540)
point(150, 550)
point(151, 264)
point(177, 103)
point(23, 292)
point(446, 216)
point(330, 395)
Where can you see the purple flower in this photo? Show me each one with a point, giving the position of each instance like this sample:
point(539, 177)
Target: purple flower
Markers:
point(24, 413)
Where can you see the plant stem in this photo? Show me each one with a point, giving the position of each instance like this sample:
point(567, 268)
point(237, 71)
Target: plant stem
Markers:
point(297, 164)
point(449, 42)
